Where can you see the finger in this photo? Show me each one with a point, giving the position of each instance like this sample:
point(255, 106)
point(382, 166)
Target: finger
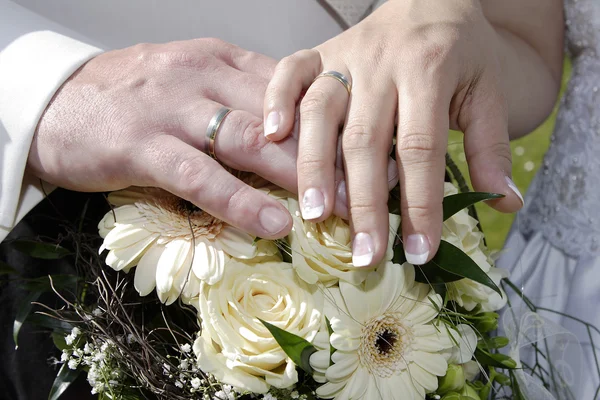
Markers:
point(173, 165)
point(366, 140)
point(487, 147)
point(240, 143)
point(238, 90)
point(341, 192)
point(235, 56)
point(421, 147)
point(322, 112)
point(254, 63)
point(292, 75)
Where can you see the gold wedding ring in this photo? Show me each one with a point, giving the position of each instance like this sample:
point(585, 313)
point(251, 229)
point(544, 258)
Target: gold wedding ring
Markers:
point(213, 129)
point(337, 76)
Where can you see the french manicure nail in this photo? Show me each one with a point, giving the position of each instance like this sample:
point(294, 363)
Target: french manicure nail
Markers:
point(341, 195)
point(313, 204)
point(272, 123)
point(362, 250)
point(341, 201)
point(416, 249)
point(515, 189)
point(272, 220)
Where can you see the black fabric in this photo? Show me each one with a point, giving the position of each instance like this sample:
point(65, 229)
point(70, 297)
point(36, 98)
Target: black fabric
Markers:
point(27, 373)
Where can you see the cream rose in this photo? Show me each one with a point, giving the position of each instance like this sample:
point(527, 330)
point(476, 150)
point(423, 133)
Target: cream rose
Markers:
point(322, 252)
point(234, 345)
point(461, 231)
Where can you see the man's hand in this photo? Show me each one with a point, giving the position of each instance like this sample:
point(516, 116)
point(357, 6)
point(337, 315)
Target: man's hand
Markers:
point(138, 116)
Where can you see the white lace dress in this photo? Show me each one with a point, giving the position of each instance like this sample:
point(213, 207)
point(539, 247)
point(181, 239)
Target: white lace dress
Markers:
point(553, 250)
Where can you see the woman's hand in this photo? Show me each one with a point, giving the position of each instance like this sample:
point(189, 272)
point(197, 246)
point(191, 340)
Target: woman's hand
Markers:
point(423, 65)
point(138, 116)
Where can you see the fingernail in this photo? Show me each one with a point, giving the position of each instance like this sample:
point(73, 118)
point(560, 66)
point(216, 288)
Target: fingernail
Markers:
point(341, 201)
point(515, 189)
point(341, 195)
point(273, 220)
point(362, 250)
point(272, 123)
point(416, 249)
point(313, 204)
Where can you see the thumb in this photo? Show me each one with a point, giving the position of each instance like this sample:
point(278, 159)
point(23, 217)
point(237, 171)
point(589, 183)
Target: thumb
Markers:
point(487, 145)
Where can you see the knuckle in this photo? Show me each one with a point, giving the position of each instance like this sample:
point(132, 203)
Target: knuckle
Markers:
point(238, 200)
point(417, 142)
point(308, 165)
point(357, 137)
point(180, 58)
point(213, 42)
point(252, 141)
point(287, 63)
point(193, 173)
point(315, 102)
point(423, 209)
point(363, 209)
point(432, 55)
point(495, 150)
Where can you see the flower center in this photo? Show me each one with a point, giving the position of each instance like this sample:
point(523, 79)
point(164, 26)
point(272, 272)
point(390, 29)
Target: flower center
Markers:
point(187, 207)
point(173, 217)
point(383, 343)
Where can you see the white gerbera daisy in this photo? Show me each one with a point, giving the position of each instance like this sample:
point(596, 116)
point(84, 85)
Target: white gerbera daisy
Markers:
point(173, 243)
point(387, 346)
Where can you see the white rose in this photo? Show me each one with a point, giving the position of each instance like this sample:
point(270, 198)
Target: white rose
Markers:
point(461, 231)
point(234, 345)
point(322, 252)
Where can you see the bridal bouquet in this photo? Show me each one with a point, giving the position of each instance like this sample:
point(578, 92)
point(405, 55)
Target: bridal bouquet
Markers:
point(201, 310)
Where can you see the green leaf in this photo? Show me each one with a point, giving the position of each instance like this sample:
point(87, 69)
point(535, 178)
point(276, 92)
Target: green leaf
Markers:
point(42, 284)
point(297, 349)
point(497, 360)
point(23, 313)
point(59, 341)
point(451, 264)
point(48, 322)
point(6, 269)
point(456, 202)
point(41, 250)
point(496, 342)
point(63, 379)
point(331, 348)
point(516, 389)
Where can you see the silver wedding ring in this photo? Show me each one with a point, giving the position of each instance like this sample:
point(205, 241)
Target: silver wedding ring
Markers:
point(341, 78)
point(213, 129)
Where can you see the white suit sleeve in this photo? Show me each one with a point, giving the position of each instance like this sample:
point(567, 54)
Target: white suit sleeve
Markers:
point(35, 60)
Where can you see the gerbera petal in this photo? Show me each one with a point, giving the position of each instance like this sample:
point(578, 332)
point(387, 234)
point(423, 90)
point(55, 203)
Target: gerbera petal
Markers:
point(127, 257)
point(169, 263)
point(202, 260)
point(360, 382)
point(423, 378)
point(236, 243)
point(356, 301)
point(431, 362)
point(320, 359)
point(145, 273)
point(124, 236)
point(412, 390)
point(344, 342)
point(425, 311)
point(344, 366)
point(208, 264)
point(330, 389)
point(384, 280)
